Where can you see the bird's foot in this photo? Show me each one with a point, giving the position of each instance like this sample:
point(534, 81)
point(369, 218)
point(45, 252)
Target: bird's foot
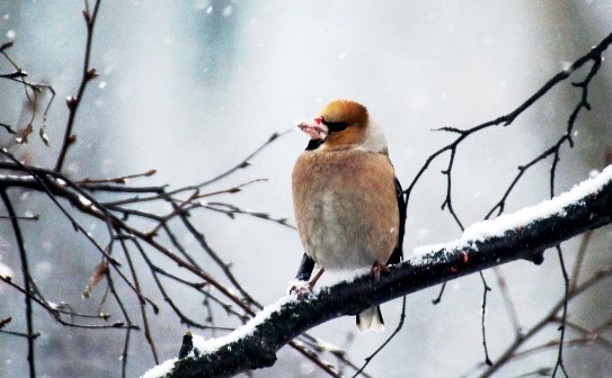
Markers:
point(377, 269)
point(300, 289)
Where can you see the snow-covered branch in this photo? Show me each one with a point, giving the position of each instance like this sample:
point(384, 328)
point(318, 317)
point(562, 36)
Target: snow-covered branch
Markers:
point(525, 234)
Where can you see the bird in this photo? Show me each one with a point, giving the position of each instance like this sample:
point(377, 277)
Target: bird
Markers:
point(349, 205)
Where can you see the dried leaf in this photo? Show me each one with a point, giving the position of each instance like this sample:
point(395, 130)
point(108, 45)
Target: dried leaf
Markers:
point(22, 135)
point(95, 279)
point(43, 136)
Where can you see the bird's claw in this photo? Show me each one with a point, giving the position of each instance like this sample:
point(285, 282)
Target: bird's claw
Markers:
point(377, 269)
point(300, 289)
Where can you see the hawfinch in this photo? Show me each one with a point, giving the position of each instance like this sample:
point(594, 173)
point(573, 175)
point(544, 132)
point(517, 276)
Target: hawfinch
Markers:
point(348, 203)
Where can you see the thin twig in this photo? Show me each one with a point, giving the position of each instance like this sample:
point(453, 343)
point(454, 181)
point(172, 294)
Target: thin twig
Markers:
point(387, 341)
point(509, 353)
point(141, 301)
point(27, 278)
point(87, 75)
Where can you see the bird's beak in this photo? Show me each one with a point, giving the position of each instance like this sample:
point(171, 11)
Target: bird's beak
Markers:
point(314, 127)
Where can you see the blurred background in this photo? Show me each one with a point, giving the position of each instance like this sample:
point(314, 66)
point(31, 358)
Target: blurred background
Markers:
point(191, 87)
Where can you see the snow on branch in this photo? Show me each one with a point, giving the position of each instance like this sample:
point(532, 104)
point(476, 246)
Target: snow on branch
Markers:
point(525, 234)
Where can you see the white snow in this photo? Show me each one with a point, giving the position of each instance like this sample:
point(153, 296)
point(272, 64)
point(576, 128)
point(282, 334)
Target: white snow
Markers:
point(497, 227)
point(211, 345)
point(5, 271)
point(328, 279)
point(161, 369)
point(333, 277)
point(227, 11)
point(84, 201)
point(425, 249)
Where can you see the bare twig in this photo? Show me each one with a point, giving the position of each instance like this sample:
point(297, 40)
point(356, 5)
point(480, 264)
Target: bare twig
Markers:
point(387, 341)
point(509, 353)
point(88, 75)
point(27, 278)
point(594, 57)
point(31, 90)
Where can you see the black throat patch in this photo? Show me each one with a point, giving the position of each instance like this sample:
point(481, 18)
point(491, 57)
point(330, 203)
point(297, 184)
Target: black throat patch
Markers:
point(313, 144)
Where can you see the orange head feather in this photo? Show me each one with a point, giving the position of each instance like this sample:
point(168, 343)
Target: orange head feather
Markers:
point(351, 120)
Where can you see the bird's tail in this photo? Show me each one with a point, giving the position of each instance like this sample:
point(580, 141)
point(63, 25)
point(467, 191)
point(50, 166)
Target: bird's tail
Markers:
point(370, 319)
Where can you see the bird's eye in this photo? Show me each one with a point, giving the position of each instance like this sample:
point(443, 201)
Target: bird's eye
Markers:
point(334, 127)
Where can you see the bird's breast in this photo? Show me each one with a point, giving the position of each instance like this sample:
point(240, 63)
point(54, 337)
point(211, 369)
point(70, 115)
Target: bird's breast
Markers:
point(345, 207)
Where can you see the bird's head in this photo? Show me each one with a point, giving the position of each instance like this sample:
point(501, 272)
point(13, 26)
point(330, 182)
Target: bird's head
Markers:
point(344, 124)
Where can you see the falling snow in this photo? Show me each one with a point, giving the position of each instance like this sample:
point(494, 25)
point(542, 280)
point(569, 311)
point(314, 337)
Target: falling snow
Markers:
point(227, 11)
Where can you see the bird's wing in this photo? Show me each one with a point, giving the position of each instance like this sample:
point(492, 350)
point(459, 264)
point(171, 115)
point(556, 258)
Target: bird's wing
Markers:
point(398, 253)
point(305, 269)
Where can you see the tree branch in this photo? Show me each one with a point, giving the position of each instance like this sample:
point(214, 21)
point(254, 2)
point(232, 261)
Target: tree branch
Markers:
point(522, 235)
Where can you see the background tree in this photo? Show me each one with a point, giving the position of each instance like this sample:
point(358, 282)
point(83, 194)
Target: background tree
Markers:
point(139, 243)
